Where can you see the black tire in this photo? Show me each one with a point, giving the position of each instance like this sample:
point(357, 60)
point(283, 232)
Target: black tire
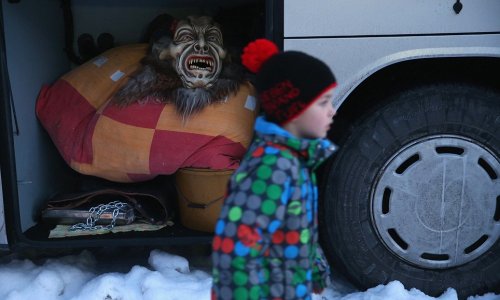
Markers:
point(349, 234)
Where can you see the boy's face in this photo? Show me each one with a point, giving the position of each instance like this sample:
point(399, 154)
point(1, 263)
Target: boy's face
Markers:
point(315, 121)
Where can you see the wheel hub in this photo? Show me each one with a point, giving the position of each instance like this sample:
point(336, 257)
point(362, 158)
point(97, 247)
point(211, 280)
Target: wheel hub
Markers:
point(436, 203)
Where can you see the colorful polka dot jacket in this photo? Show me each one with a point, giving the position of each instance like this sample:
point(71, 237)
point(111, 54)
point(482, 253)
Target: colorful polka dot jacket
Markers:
point(266, 238)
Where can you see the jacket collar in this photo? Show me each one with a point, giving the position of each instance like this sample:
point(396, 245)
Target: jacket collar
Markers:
point(313, 151)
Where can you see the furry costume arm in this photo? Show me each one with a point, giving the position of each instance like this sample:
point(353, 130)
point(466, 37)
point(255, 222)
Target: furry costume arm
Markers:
point(156, 78)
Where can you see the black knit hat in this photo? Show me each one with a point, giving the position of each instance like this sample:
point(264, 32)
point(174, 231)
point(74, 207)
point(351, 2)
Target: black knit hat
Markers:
point(288, 82)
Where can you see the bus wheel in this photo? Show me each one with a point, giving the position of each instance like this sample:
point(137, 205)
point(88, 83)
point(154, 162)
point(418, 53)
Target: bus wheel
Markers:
point(414, 193)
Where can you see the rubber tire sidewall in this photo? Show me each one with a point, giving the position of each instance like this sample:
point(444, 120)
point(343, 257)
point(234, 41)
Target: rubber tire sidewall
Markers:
point(348, 235)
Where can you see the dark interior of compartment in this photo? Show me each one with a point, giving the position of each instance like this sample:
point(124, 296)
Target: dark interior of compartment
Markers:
point(241, 21)
point(41, 171)
point(163, 186)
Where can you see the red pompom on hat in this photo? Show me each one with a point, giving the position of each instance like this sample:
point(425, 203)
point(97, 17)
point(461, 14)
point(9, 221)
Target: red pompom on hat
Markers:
point(257, 52)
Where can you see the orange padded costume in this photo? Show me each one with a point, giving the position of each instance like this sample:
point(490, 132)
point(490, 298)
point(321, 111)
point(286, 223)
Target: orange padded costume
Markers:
point(145, 139)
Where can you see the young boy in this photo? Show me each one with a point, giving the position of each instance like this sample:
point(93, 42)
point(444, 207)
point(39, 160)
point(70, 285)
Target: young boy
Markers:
point(266, 238)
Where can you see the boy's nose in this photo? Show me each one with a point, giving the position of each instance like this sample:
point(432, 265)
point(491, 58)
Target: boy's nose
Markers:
point(332, 111)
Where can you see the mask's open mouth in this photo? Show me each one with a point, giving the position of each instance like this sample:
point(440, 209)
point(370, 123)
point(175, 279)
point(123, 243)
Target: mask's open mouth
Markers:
point(197, 63)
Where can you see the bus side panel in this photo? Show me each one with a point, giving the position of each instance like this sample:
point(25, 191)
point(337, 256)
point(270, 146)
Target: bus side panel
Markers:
point(352, 63)
point(388, 17)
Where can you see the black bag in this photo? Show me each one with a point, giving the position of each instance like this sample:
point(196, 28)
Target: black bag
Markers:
point(75, 207)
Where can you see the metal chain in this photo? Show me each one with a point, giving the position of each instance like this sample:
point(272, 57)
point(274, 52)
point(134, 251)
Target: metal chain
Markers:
point(95, 213)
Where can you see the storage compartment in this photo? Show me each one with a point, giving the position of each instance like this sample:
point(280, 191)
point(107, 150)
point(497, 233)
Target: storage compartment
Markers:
point(40, 47)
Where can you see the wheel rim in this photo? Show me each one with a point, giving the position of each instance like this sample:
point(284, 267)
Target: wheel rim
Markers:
point(436, 202)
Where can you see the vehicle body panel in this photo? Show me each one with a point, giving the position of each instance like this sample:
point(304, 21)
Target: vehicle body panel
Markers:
point(388, 17)
point(352, 64)
point(358, 38)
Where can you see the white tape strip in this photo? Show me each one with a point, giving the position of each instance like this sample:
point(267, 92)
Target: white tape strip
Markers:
point(100, 60)
point(117, 75)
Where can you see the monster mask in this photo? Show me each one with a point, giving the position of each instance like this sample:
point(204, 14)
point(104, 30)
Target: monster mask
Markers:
point(189, 68)
point(197, 52)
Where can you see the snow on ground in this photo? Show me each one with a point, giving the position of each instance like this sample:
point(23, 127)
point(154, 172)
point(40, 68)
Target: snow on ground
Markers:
point(168, 276)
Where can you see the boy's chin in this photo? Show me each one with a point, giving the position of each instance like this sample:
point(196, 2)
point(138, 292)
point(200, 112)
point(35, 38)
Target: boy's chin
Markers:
point(316, 136)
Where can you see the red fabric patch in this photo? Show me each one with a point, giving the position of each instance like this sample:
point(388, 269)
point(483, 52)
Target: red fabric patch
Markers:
point(216, 243)
point(172, 150)
point(247, 235)
point(70, 121)
point(227, 245)
point(220, 153)
point(285, 148)
point(278, 237)
point(258, 152)
point(292, 237)
point(138, 114)
point(83, 151)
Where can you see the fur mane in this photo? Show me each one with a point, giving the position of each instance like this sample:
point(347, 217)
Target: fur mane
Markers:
point(157, 80)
